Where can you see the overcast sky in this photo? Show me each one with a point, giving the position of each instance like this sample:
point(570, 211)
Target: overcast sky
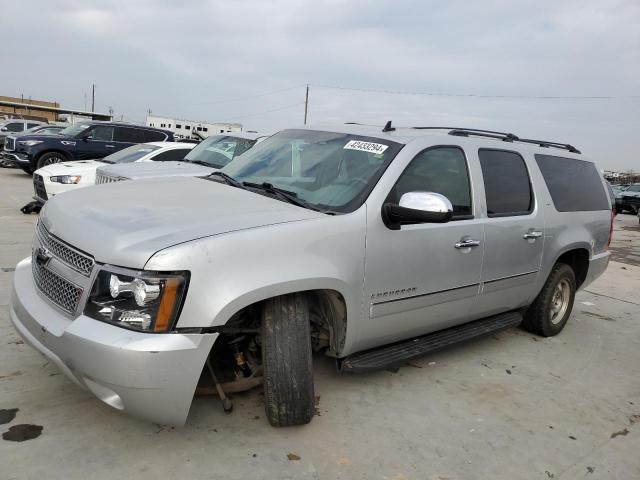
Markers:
point(248, 61)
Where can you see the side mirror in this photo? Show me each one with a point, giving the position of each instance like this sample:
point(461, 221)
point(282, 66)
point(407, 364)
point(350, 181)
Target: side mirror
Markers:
point(4, 129)
point(417, 207)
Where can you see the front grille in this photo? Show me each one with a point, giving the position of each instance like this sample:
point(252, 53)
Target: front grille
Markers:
point(38, 186)
point(9, 144)
point(102, 178)
point(77, 260)
point(60, 291)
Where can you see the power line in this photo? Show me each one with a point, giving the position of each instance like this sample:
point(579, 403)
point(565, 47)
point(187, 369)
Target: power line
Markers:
point(475, 95)
point(216, 102)
point(269, 111)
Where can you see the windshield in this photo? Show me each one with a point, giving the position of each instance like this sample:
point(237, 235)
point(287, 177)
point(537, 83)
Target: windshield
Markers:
point(633, 188)
point(218, 150)
point(130, 154)
point(330, 171)
point(74, 130)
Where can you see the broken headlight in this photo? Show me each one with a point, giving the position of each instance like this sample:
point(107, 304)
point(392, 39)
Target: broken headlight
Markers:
point(138, 300)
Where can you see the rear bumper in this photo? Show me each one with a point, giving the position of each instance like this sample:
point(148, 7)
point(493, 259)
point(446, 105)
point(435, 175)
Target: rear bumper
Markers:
point(597, 265)
point(149, 376)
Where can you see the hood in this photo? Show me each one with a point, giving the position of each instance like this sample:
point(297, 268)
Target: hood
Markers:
point(70, 168)
point(139, 170)
point(125, 223)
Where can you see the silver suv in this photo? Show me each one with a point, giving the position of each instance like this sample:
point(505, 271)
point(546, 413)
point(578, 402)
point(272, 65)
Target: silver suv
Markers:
point(371, 245)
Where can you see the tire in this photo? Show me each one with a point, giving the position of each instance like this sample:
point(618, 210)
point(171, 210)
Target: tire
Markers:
point(287, 361)
point(51, 158)
point(549, 312)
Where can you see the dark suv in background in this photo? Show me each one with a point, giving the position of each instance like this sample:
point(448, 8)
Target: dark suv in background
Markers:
point(83, 141)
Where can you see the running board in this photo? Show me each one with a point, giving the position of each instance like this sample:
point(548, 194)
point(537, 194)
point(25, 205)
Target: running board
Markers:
point(394, 354)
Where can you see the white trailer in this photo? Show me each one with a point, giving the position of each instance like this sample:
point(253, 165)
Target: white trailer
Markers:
point(182, 128)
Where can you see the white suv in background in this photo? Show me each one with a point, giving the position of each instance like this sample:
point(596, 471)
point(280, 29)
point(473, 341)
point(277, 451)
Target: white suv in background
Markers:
point(62, 177)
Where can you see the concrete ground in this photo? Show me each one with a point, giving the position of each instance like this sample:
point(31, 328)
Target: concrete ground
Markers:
point(509, 406)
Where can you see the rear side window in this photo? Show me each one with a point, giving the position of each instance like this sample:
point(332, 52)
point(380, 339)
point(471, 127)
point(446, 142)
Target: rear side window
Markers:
point(574, 185)
point(173, 155)
point(506, 183)
point(129, 135)
point(153, 136)
point(31, 125)
point(440, 170)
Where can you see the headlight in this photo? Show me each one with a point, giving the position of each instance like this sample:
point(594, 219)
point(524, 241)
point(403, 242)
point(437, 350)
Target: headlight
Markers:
point(66, 179)
point(29, 143)
point(138, 300)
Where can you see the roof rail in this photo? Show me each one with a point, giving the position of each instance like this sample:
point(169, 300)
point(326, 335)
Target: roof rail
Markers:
point(504, 136)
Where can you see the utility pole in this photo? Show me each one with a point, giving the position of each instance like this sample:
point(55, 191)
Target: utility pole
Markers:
point(93, 97)
point(306, 104)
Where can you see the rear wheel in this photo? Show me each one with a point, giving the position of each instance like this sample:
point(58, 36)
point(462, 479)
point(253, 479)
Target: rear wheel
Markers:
point(551, 309)
point(51, 158)
point(287, 360)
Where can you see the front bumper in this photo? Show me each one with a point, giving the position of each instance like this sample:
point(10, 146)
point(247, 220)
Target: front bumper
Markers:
point(149, 376)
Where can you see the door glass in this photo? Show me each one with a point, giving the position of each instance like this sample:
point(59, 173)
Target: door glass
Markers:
point(154, 136)
point(14, 127)
point(441, 170)
point(506, 183)
point(31, 125)
point(173, 155)
point(129, 135)
point(102, 133)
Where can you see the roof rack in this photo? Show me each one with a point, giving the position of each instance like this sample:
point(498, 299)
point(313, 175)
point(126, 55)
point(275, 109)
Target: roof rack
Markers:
point(466, 132)
point(505, 137)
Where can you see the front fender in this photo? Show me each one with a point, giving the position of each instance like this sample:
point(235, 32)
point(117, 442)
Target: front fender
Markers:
point(233, 270)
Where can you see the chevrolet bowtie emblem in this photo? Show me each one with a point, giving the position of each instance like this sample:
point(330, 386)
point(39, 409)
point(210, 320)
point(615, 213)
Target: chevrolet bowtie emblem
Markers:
point(43, 256)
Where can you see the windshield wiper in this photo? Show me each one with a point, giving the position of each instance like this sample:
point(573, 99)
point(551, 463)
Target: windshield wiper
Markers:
point(229, 180)
point(199, 162)
point(286, 195)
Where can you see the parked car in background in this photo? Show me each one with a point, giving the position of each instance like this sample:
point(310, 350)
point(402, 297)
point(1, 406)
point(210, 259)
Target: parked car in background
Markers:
point(16, 126)
point(628, 198)
point(7, 155)
point(83, 141)
point(370, 245)
point(211, 154)
point(62, 177)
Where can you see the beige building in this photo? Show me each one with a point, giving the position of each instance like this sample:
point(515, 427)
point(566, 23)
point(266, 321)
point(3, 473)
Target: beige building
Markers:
point(31, 112)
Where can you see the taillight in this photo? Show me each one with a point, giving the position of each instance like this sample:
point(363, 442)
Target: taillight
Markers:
point(613, 214)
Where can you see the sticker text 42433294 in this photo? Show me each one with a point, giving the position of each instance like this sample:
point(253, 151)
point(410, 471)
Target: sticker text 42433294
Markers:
point(370, 147)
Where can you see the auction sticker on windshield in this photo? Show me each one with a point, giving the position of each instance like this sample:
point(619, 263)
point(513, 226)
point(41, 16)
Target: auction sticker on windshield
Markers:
point(365, 146)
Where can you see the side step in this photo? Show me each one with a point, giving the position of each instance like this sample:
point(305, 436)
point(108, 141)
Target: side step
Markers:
point(390, 355)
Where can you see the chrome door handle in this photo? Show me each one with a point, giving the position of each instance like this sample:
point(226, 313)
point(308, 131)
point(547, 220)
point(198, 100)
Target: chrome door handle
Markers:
point(109, 146)
point(533, 234)
point(468, 243)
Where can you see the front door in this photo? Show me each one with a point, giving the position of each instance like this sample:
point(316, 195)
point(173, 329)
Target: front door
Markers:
point(514, 232)
point(97, 144)
point(423, 277)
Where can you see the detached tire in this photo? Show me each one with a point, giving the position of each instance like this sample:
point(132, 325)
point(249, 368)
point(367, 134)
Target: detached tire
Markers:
point(549, 312)
point(287, 361)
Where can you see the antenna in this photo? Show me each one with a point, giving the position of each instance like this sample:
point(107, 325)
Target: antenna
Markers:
point(388, 127)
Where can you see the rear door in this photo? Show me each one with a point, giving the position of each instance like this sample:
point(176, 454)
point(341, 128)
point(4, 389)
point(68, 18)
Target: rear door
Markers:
point(513, 229)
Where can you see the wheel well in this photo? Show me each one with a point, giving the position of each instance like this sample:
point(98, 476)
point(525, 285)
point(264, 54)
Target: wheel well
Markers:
point(52, 150)
point(578, 260)
point(327, 310)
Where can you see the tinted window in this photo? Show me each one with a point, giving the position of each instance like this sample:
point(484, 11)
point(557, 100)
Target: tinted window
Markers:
point(129, 135)
point(441, 170)
point(574, 185)
point(14, 127)
point(130, 154)
point(506, 183)
point(173, 155)
point(31, 125)
point(102, 132)
point(153, 136)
